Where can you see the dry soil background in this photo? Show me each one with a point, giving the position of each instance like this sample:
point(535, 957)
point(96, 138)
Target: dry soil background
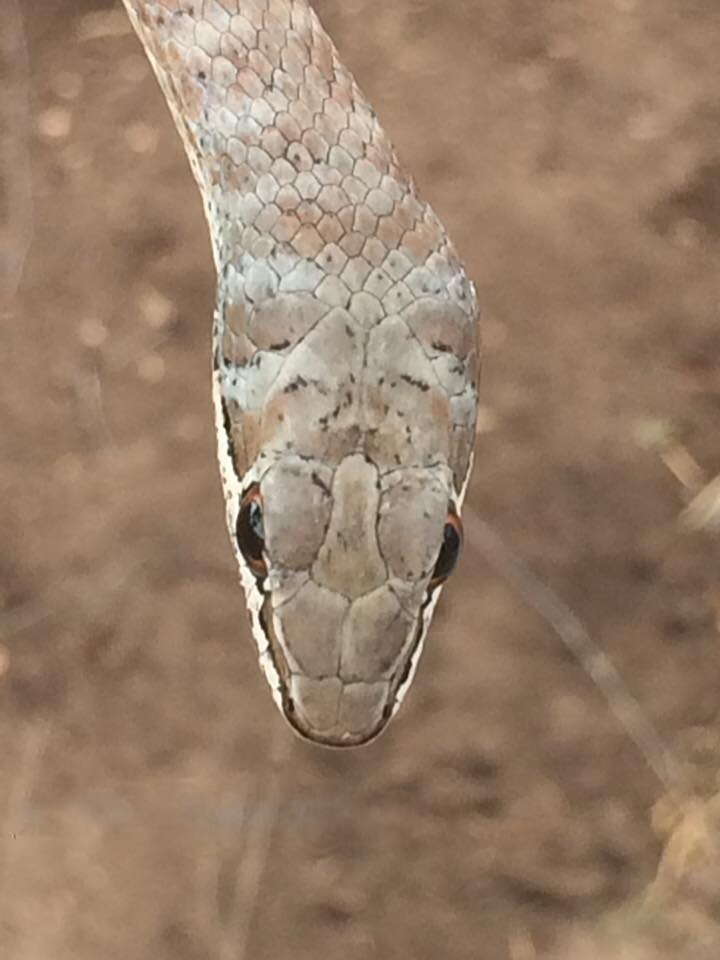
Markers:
point(153, 804)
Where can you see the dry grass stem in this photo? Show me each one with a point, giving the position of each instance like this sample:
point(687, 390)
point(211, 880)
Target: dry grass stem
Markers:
point(576, 638)
point(16, 188)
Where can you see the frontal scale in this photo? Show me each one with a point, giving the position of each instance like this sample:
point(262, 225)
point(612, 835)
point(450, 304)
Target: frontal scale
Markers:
point(344, 357)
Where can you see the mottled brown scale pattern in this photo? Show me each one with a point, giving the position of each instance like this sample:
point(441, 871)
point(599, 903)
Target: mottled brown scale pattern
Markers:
point(344, 351)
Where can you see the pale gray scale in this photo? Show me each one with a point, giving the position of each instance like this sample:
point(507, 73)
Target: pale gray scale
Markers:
point(417, 498)
point(344, 345)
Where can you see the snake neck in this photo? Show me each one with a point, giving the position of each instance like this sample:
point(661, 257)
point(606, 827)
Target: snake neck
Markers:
point(281, 141)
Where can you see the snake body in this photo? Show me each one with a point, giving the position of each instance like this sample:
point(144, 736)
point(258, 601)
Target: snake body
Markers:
point(344, 356)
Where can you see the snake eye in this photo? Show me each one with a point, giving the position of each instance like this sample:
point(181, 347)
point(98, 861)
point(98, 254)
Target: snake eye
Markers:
point(250, 531)
point(450, 549)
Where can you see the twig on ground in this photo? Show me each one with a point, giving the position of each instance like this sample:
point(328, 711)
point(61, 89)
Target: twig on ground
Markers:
point(703, 511)
point(20, 788)
point(15, 166)
point(260, 826)
point(576, 638)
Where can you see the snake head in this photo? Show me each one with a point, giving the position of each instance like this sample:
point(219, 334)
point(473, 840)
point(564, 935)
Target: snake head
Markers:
point(342, 570)
point(344, 458)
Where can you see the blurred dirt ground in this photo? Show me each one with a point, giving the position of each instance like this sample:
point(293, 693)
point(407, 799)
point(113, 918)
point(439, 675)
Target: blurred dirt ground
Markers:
point(153, 804)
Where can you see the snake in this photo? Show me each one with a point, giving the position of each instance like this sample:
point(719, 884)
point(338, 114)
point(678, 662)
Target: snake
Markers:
point(344, 359)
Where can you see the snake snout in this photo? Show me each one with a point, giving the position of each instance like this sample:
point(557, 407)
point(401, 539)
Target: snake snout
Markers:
point(335, 713)
point(339, 685)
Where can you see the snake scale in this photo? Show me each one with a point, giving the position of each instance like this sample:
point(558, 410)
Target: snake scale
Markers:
point(344, 356)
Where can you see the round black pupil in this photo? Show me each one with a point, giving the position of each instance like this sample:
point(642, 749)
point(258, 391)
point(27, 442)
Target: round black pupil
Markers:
point(449, 552)
point(250, 530)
